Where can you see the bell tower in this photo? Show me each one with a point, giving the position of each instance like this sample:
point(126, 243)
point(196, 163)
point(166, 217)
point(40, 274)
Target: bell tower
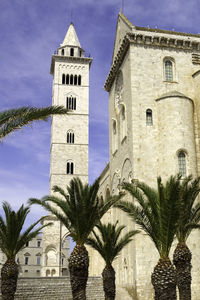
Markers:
point(69, 135)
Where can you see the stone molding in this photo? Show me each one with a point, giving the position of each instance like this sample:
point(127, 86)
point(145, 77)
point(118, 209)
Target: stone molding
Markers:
point(153, 41)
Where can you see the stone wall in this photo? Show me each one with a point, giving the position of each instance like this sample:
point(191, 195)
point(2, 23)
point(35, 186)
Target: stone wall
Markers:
point(55, 288)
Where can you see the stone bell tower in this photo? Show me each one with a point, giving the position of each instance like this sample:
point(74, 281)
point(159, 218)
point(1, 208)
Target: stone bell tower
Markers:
point(69, 136)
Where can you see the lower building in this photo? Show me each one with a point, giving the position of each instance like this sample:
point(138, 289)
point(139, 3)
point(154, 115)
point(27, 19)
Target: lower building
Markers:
point(31, 256)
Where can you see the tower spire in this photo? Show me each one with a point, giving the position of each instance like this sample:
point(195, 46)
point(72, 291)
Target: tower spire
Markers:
point(71, 38)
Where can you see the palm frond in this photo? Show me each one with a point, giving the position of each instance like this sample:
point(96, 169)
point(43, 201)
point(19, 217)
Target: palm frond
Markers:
point(107, 240)
point(80, 211)
point(12, 240)
point(15, 119)
point(154, 210)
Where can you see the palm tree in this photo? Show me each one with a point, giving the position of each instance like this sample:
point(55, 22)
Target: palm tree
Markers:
point(11, 242)
point(109, 245)
point(14, 119)
point(189, 218)
point(156, 212)
point(80, 209)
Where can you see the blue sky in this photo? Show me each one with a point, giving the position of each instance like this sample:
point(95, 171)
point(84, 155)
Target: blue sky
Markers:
point(30, 31)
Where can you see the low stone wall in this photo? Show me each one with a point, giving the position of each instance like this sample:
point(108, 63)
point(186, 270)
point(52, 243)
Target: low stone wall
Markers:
point(55, 288)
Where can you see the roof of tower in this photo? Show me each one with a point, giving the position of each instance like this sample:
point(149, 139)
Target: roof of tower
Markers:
point(71, 38)
point(173, 94)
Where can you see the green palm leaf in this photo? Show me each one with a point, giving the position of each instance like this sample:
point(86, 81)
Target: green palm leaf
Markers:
point(155, 210)
point(14, 119)
point(12, 240)
point(107, 240)
point(79, 209)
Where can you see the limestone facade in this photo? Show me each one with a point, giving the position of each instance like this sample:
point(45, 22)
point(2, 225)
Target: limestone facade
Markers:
point(30, 258)
point(154, 94)
point(69, 134)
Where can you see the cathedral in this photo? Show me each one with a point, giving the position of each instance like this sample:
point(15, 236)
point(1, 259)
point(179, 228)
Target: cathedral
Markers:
point(154, 130)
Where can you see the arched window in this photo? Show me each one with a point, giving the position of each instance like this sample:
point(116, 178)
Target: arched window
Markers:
point(71, 51)
point(71, 103)
point(70, 137)
point(182, 163)
point(80, 53)
point(71, 79)
point(79, 80)
point(75, 80)
point(168, 70)
point(62, 52)
point(63, 78)
point(67, 79)
point(70, 167)
point(149, 118)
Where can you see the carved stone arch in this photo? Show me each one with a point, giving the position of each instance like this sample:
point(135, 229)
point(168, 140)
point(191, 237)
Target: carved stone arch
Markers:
point(127, 171)
point(51, 255)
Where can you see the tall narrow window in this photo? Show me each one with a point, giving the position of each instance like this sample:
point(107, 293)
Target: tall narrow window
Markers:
point(70, 167)
point(38, 260)
point(26, 260)
point(67, 79)
point(70, 137)
point(75, 80)
point(182, 163)
point(62, 52)
point(71, 79)
point(71, 51)
point(79, 80)
point(168, 70)
point(149, 118)
point(63, 78)
point(71, 103)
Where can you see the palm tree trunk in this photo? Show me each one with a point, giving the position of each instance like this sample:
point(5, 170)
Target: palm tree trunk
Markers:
point(182, 261)
point(163, 279)
point(78, 268)
point(108, 275)
point(9, 276)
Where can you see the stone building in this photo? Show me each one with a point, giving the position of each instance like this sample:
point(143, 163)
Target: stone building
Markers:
point(154, 119)
point(30, 258)
point(69, 138)
point(154, 129)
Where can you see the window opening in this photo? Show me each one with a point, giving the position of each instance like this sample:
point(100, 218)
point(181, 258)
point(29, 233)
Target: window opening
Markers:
point(26, 260)
point(70, 168)
point(38, 260)
point(70, 137)
point(71, 103)
point(62, 52)
point(75, 80)
point(149, 119)
point(182, 163)
point(168, 70)
point(71, 51)
point(67, 79)
point(38, 243)
point(79, 80)
point(71, 79)
point(63, 78)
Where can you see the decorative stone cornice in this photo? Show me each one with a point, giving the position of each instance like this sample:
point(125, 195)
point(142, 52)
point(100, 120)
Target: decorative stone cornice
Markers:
point(153, 41)
point(62, 58)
